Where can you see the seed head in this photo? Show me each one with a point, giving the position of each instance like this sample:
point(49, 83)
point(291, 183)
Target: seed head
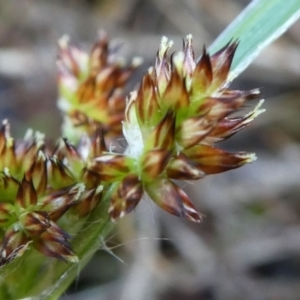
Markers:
point(91, 87)
point(38, 187)
point(172, 122)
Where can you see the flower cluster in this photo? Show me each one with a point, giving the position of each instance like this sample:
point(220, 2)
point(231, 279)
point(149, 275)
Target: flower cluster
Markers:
point(172, 122)
point(37, 188)
point(91, 87)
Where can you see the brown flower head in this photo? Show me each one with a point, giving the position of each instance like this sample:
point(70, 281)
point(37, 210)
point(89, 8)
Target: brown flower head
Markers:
point(37, 189)
point(91, 87)
point(181, 109)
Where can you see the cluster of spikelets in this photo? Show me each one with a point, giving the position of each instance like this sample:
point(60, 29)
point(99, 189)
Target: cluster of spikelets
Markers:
point(91, 87)
point(171, 123)
point(38, 187)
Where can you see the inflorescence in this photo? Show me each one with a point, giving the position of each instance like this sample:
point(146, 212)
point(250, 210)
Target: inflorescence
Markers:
point(171, 122)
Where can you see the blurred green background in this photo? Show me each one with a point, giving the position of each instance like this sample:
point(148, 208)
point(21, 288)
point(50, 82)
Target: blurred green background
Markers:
point(248, 246)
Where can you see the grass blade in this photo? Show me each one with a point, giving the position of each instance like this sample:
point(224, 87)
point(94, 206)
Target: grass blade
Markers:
point(256, 27)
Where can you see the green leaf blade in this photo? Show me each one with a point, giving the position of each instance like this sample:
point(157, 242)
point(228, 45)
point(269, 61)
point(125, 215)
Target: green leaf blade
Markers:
point(256, 27)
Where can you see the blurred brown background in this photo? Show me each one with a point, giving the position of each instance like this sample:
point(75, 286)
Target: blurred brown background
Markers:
point(248, 246)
